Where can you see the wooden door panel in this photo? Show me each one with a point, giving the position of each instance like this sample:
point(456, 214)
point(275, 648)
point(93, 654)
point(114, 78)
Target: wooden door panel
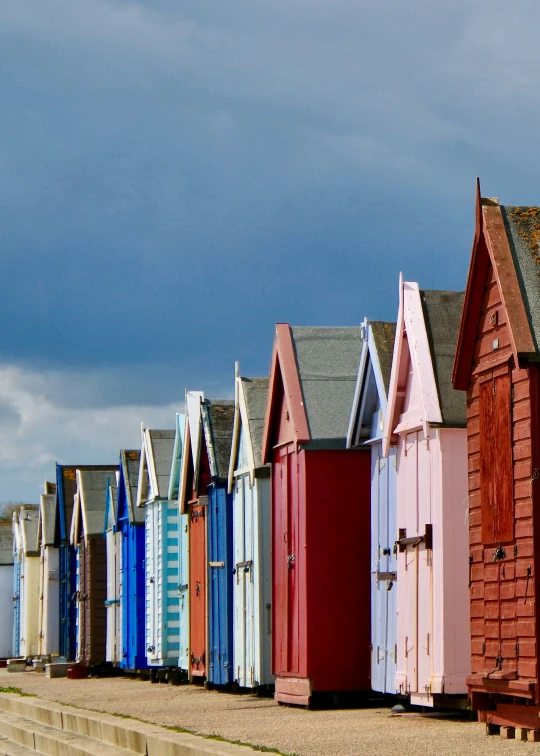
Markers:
point(496, 464)
point(197, 590)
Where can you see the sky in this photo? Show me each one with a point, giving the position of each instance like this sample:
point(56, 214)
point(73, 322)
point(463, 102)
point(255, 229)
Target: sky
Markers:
point(176, 177)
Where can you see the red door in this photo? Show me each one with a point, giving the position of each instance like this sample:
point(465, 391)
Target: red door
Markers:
point(498, 537)
point(197, 585)
point(286, 555)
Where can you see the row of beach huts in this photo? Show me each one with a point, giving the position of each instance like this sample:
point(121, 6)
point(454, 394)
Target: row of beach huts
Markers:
point(365, 518)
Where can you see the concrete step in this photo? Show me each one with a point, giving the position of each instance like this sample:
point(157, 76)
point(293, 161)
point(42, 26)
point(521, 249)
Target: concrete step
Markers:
point(56, 730)
point(49, 741)
point(7, 748)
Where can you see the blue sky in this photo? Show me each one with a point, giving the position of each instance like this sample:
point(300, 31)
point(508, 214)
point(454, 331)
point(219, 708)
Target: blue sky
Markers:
point(178, 176)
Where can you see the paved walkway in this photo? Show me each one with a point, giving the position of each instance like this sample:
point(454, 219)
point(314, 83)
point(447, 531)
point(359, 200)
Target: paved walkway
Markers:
point(246, 718)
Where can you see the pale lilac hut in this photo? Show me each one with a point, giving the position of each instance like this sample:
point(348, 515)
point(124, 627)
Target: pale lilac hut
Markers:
point(426, 423)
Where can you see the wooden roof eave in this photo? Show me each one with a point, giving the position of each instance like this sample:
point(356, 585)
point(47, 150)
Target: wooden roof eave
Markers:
point(505, 272)
point(369, 359)
point(284, 364)
point(490, 235)
point(183, 494)
point(391, 407)
point(241, 422)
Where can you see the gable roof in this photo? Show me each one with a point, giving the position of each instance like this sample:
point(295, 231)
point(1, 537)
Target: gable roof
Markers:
point(318, 367)
point(155, 464)
point(377, 348)
point(174, 478)
point(251, 395)
point(506, 238)
point(66, 487)
point(426, 334)
point(47, 518)
point(191, 446)
point(217, 420)
point(29, 528)
point(442, 315)
point(90, 502)
point(128, 483)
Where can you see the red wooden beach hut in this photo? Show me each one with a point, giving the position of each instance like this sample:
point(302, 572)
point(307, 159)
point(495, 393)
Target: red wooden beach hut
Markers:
point(497, 363)
point(320, 516)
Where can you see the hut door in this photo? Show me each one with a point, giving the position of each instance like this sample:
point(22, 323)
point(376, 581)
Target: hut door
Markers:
point(183, 595)
point(286, 556)
point(384, 590)
point(415, 599)
point(197, 586)
point(219, 598)
point(153, 547)
point(80, 613)
point(498, 537)
point(16, 607)
point(244, 629)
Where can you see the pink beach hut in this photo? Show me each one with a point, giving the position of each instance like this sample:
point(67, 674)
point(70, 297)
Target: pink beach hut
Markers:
point(426, 423)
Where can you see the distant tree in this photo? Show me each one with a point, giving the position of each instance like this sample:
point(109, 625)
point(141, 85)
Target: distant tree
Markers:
point(7, 509)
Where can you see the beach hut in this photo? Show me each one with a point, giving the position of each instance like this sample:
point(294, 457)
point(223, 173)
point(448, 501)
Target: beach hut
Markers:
point(366, 429)
point(497, 364)
point(87, 538)
point(49, 574)
point(217, 421)
point(6, 589)
point(66, 487)
point(113, 548)
point(183, 547)
point(16, 604)
point(161, 548)
point(425, 421)
point(193, 498)
point(320, 538)
point(28, 595)
point(249, 481)
point(130, 525)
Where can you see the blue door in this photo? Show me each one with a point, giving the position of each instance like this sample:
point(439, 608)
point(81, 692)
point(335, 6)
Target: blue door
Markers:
point(16, 607)
point(383, 570)
point(68, 632)
point(220, 586)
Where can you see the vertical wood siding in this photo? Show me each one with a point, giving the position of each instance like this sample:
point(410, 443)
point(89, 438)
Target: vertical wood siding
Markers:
point(503, 595)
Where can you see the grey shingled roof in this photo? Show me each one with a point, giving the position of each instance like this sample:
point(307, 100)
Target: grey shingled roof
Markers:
point(442, 315)
point(256, 394)
point(47, 512)
point(328, 360)
point(6, 543)
point(162, 442)
point(29, 525)
point(219, 415)
point(93, 493)
point(130, 466)
point(527, 271)
point(384, 335)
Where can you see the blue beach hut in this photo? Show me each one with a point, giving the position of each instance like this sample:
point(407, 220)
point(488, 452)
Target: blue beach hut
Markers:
point(130, 523)
point(162, 617)
point(217, 422)
point(366, 427)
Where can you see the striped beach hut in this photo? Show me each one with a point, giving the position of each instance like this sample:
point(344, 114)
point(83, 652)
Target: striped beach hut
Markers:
point(162, 615)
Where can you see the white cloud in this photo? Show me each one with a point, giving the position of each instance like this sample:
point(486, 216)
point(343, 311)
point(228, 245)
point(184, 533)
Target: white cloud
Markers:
point(37, 429)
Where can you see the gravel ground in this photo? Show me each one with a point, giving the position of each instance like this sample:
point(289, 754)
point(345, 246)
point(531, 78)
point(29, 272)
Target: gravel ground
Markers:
point(247, 718)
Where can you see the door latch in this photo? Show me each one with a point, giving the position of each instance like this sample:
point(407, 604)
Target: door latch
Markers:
point(500, 553)
point(290, 560)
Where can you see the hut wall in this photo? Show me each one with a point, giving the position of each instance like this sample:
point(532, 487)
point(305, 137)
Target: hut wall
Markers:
point(502, 423)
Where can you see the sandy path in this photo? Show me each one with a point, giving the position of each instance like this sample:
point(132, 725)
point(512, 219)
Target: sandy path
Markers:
point(348, 732)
